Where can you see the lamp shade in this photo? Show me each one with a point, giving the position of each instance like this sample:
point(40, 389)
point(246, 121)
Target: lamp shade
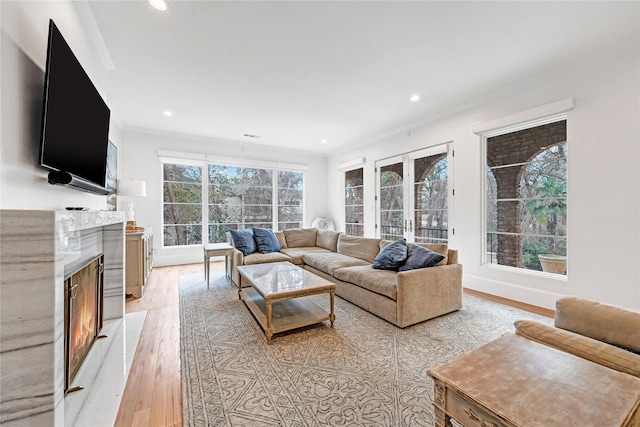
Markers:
point(132, 187)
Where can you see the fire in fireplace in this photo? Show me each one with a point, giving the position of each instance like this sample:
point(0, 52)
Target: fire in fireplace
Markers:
point(83, 314)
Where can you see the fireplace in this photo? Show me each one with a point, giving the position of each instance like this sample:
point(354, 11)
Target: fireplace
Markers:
point(83, 315)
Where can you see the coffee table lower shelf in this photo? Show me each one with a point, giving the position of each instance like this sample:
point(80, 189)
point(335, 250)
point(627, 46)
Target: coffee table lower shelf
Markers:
point(286, 314)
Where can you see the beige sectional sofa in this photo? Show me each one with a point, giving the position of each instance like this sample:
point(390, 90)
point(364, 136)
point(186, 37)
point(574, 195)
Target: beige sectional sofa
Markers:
point(402, 298)
point(601, 333)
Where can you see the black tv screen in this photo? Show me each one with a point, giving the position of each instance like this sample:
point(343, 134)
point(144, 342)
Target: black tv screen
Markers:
point(75, 128)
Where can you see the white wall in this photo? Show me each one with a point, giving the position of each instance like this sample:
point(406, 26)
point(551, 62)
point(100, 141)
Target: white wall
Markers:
point(23, 52)
point(140, 161)
point(603, 179)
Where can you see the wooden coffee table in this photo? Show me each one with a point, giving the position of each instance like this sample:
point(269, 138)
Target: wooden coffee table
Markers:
point(513, 381)
point(278, 295)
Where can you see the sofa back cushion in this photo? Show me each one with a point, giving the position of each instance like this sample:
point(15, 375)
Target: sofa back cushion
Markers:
point(281, 240)
point(300, 237)
point(603, 322)
point(327, 239)
point(364, 248)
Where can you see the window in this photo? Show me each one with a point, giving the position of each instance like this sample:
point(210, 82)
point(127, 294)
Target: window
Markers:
point(353, 202)
point(526, 198)
point(236, 197)
point(182, 205)
point(290, 192)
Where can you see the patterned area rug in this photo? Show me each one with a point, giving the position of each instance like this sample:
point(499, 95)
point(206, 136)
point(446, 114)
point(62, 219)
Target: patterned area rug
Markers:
point(363, 372)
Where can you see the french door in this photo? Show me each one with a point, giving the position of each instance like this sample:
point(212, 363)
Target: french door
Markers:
point(413, 196)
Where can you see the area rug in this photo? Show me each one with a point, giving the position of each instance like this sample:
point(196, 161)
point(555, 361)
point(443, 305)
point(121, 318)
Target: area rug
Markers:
point(363, 372)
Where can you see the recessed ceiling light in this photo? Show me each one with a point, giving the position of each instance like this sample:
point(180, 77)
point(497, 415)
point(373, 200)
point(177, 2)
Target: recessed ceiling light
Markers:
point(167, 113)
point(158, 4)
point(414, 98)
point(324, 141)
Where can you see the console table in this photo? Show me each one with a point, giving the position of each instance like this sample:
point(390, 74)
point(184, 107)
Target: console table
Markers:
point(513, 381)
point(139, 260)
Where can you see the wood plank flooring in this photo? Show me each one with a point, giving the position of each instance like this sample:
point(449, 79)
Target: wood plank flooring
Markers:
point(152, 397)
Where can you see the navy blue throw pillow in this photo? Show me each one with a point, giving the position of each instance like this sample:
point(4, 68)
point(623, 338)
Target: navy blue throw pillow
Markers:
point(421, 257)
point(265, 240)
point(392, 256)
point(243, 241)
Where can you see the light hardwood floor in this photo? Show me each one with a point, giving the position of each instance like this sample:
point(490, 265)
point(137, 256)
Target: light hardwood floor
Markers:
point(152, 396)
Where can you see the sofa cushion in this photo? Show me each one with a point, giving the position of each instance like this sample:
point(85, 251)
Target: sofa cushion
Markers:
point(383, 282)
point(392, 256)
point(297, 253)
point(265, 240)
point(243, 241)
point(300, 237)
point(603, 322)
point(281, 240)
point(420, 257)
point(581, 346)
point(327, 239)
point(364, 248)
point(258, 258)
point(328, 262)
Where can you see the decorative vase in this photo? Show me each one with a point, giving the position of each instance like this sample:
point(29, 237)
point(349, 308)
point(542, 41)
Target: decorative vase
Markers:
point(556, 264)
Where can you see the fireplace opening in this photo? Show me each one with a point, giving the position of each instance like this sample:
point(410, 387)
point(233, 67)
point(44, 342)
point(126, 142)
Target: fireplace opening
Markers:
point(82, 314)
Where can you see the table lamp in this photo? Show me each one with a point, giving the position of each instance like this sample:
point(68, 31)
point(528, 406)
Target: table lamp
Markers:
point(131, 188)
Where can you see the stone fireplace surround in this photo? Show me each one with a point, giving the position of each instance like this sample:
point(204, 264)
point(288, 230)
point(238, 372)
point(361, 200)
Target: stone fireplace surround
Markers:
point(37, 249)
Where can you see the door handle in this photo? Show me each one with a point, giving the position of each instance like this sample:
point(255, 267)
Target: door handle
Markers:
point(405, 225)
point(411, 226)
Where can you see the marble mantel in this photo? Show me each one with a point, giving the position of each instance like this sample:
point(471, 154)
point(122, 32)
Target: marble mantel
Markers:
point(37, 250)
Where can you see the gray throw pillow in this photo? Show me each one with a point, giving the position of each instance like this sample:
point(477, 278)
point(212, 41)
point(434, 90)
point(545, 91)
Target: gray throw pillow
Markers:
point(392, 256)
point(420, 257)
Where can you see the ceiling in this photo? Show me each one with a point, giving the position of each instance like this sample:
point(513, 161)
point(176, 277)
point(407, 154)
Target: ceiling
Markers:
point(298, 72)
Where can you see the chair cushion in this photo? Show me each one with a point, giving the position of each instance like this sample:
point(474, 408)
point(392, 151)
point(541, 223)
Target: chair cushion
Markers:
point(579, 345)
point(383, 282)
point(603, 322)
point(392, 256)
point(265, 240)
point(328, 262)
point(243, 241)
point(420, 257)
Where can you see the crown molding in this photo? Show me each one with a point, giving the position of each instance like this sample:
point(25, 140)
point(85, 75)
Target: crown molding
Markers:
point(95, 35)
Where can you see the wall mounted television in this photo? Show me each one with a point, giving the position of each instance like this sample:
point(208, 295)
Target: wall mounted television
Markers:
point(75, 122)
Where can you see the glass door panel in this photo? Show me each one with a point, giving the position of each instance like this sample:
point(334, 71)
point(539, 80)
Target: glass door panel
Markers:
point(391, 201)
point(430, 199)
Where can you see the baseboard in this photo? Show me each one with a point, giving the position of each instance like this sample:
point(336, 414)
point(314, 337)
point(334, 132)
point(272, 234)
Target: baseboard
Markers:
point(510, 291)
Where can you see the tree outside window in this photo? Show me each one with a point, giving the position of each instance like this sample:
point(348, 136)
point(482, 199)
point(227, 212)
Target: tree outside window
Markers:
point(182, 205)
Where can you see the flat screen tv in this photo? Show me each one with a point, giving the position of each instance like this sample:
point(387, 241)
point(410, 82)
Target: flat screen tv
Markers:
point(75, 124)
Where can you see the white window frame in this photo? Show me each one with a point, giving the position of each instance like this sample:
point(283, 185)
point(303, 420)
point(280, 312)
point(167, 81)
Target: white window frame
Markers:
point(348, 167)
point(544, 114)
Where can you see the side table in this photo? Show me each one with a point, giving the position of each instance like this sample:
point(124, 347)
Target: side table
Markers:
point(217, 249)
